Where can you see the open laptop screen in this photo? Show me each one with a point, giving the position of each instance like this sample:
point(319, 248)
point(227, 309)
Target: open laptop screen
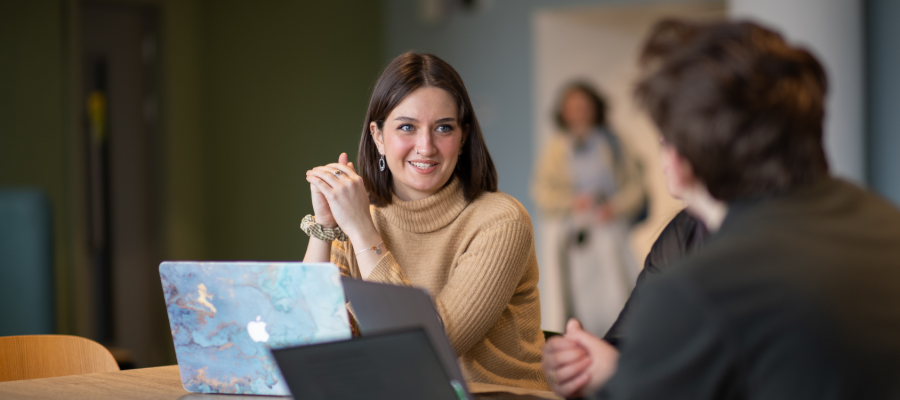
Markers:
point(224, 317)
point(388, 308)
point(394, 366)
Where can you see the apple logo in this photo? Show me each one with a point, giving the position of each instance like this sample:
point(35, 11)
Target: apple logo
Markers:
point(257, 330)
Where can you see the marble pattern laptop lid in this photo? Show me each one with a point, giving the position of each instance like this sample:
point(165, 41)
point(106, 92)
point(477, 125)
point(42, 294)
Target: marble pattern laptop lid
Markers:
point(225, 316)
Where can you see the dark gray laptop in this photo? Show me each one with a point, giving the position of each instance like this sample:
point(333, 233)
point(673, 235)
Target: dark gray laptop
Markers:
point(392, 366)
point(383, 308)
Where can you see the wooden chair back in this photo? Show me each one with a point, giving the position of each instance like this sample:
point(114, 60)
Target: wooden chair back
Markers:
point(45, 356)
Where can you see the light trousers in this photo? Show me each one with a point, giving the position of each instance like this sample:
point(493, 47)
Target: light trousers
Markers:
point(590, 280)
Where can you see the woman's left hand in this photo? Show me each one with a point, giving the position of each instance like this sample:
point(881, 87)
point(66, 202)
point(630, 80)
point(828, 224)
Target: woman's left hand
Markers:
point(346, 195)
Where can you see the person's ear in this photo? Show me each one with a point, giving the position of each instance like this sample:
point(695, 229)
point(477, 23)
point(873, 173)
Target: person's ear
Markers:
point(683, 170)
point(377, 136)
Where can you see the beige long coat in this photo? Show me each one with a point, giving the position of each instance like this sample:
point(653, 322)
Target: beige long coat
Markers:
point(553, 190)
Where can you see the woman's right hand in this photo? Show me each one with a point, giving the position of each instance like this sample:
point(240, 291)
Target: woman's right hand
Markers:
point(321, 208)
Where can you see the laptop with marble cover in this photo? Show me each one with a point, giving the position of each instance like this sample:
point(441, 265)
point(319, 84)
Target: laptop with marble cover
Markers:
point(226, 316)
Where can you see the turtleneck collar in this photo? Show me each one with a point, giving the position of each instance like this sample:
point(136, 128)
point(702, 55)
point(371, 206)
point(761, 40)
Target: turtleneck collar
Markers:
point(429, 214)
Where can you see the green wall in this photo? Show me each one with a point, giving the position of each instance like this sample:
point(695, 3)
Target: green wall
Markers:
point(284, 88)
point(32, 109)
point(183, 208)
point(254, 94)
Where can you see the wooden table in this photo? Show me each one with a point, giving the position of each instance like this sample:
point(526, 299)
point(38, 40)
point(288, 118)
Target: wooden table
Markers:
point(161, 383)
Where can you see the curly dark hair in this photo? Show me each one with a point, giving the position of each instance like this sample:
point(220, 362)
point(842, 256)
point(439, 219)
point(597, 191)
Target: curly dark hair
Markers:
point(743, 107)
point(595, 97)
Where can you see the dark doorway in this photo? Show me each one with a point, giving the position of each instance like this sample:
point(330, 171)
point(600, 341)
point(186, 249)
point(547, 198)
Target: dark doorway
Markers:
point(119, 53)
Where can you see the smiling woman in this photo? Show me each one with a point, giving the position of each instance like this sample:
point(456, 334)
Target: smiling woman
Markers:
point(424, 210)
point(421, 141)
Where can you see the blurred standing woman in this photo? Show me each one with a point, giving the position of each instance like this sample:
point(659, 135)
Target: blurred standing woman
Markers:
point(589, 190)
point(423, 210)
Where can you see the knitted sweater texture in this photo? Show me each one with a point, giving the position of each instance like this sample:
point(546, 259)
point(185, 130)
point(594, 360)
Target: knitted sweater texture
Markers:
point(477, 260)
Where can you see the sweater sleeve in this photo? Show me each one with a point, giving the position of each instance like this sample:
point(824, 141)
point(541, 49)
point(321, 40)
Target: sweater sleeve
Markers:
point(388, 271)
point(480, 286)
point(551, 187)
point(340, 256)
point(631, 195)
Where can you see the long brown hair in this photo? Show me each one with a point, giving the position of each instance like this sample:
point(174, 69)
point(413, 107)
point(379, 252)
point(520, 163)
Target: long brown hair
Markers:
point(404, 75)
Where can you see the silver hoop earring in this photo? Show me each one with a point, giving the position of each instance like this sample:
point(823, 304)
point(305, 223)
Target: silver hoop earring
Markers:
point(381, 163)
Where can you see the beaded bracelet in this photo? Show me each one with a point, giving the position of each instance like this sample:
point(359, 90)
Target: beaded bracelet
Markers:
point(377, 250)
point(311, 228)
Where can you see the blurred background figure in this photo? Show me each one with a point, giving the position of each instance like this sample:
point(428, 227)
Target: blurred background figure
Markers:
point(589, 191)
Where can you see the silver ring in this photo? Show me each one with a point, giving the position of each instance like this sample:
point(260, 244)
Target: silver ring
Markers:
point(338, 173)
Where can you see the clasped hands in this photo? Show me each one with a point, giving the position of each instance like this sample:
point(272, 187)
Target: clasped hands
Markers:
point(339, 198)
point(578, 363)
point(586, 202)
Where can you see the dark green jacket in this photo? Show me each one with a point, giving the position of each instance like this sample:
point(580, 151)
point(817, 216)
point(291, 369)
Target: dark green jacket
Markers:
point(797, 296)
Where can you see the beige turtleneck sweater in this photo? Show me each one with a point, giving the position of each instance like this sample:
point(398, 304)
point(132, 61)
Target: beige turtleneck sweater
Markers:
point(478, 263)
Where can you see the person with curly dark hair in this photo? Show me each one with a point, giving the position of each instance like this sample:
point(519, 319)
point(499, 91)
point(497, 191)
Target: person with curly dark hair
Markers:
point(589, 189)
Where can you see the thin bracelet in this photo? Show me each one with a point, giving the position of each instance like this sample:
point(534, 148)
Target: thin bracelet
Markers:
point(377, 250)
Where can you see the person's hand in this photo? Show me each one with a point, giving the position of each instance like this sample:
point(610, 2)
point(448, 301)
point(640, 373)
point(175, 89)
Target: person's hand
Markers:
point(320, 204)
point(566, 364)
point(346, 200)
point(604, 213)
point(582, 202)
point(604, 356)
